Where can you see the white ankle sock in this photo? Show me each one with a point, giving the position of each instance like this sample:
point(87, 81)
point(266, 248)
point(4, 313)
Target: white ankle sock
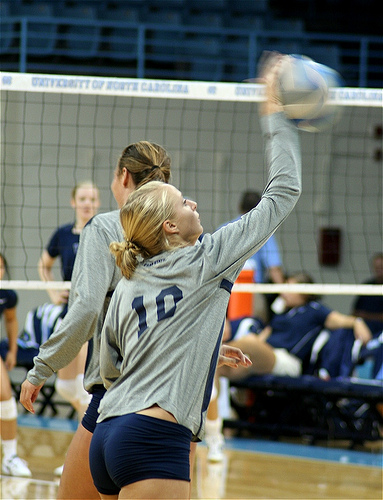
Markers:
point(9, 448)
point(213, 427)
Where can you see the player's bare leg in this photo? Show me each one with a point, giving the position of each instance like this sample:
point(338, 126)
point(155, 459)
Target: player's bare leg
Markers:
point(164, 489)
point(76, 481)
point(260, 353)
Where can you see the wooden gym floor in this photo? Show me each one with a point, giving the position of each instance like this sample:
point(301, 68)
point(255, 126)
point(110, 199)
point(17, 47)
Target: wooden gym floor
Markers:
point(252, 469)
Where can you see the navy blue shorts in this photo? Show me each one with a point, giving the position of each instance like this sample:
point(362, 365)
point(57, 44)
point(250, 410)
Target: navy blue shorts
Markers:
point(91, 415)
point(135, 447)
point(24, 355)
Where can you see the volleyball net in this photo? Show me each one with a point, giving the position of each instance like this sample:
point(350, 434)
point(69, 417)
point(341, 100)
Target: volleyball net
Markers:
point(60, 130)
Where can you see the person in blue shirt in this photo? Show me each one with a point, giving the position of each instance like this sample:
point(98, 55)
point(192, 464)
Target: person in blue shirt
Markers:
point(12, 464)
point(39, 324)
point(282, 346)
point(342, 353)
point(370, 307)
point(64, 242)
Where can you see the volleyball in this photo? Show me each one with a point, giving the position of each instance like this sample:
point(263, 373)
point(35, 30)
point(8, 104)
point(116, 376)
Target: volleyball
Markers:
point(304, 87)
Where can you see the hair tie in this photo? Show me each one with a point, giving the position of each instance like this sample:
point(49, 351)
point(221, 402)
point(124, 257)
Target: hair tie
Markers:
point(131, 245)
point(154, 167)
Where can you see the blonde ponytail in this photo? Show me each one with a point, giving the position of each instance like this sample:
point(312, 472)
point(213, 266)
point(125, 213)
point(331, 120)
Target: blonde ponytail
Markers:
point(127, 255)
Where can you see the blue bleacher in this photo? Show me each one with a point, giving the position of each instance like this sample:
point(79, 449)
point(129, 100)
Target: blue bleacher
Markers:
point(184, 39)
point(121, 41)
point(241, 52)
point(207, 6)
point(168, 17)
point(204, 47)
point(246, 22)
point(41, 30)
point(288, 25)
point(7, 29)
point(166, 4)
point(249, 7)
point(163, 43)
point(328, 54)
point(81, 35)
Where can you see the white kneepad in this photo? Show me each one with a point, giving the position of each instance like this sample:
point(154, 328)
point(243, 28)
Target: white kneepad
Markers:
point(67, 389)
point(82, 396)
point(8, 409)
point(286, 364)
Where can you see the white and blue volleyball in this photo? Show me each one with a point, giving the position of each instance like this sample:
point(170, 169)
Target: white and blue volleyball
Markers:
point(304, 87)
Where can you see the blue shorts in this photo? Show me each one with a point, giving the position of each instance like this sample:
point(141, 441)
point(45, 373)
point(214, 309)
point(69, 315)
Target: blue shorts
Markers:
point(135, 447)
point(24, 355)
point(91, 415)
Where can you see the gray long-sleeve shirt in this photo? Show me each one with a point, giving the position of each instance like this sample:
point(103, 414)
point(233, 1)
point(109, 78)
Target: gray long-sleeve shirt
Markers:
point(95, 274)
point(163, 329)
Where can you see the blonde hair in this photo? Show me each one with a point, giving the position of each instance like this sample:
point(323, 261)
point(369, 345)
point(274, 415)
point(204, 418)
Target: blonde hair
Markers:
point(142, 218)
point(83, 184)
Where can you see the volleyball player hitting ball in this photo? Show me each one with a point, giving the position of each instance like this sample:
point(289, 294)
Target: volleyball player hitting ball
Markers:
point(163, 329)
point(95, 276)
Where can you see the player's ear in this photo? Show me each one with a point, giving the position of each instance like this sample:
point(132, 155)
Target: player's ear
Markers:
point(170, 227)
point(126, 177)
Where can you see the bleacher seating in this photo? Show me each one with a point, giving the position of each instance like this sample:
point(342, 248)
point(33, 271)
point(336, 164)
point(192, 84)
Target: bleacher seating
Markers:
point(328, 54)
point(81, 35)
point(165, 43)
point(120, 40)
point(210, 40)
point(204, 46)
point(42, 34)
point(7, 30)
point(249, 7)
point(203, 6)
point(166, 4)
point(306, 406)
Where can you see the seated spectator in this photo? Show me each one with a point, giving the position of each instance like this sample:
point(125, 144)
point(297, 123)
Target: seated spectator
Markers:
point(12, 464)
point(370, 307)
point(373, 350)
point(284, 345)
point(39, 325)
point(342, 352)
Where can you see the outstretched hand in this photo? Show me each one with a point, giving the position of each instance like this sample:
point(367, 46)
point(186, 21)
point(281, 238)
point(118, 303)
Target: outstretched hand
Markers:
point(268, 74)
point(233, 357)
point(28, 395)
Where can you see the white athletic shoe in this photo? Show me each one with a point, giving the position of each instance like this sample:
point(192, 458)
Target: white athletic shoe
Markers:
point(58, 471)
point(15, 466)
point(215, 447)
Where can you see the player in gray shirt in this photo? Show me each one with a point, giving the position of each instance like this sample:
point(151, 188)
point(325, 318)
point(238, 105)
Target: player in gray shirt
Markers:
point(94, 279)
point(163, 329)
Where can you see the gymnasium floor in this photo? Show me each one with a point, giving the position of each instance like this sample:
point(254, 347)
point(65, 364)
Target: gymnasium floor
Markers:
point(252, 469)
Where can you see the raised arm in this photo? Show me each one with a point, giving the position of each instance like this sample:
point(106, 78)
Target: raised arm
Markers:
point(233, 244)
